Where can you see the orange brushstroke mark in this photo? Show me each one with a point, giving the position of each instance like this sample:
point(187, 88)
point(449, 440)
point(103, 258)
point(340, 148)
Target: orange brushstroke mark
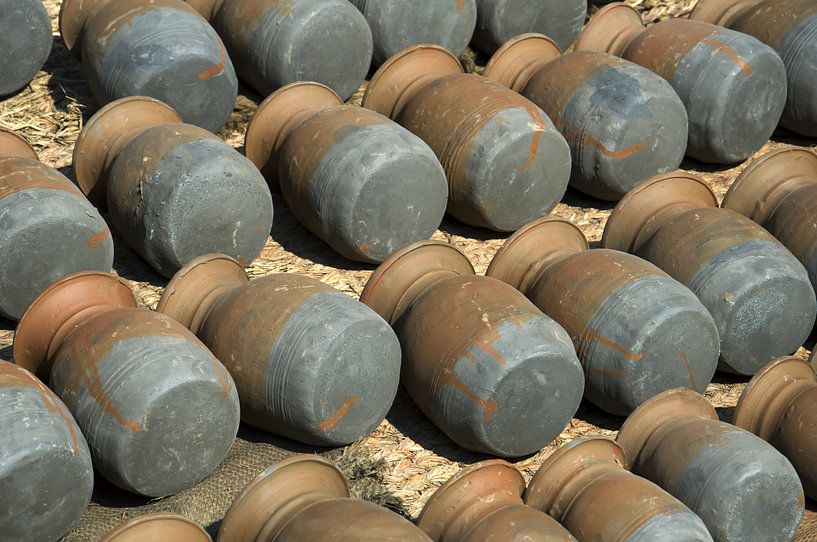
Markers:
point(364, 248)
point(90, 375)
point(604, 341)
point(222, 378)
point(722, 48)
point(333, 420)
point(688, 365)
point(615, 155)
point(215, 70)
point(460, 5)
point(97, 238)
point(489, 407)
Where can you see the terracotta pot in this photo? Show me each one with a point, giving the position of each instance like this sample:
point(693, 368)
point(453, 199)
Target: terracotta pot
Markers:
point(733, 86)
point(740, 486)
point(157, 48)
point(481, 361)
point(309, 362)
point(790, 26)
point(46, 476)
point(25, 42)
point(158, 527)
point(506, 163)
point(328, 160)
point(174, 191)
point(586, 486)
point(623, 122)
point(396, 24)
point(307, 498)
point(637, 331)
point(757, 292)
point(778, 406)
point(500, 20)
point(159, 411)
point(64, 236)
point(779, 192)
point(483, 503)
point(275, 43)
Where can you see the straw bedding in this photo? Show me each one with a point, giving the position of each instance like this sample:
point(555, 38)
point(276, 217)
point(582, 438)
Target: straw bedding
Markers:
point(406, 458)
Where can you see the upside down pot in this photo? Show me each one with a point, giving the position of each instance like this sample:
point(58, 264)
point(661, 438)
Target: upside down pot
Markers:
point(481, 361)
point(158, 410)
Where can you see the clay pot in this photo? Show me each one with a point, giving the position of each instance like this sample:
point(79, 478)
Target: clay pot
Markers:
point(757, 292)
point(790, 26)
point(506, 163)
point(585, 485)
point(158, 527)
point(159, 411)
point(779, 192)
point(500, 20)
point(278, 42)
point(65, 234)
point(778, 406)
point(740, 486)
point(307, 498)
point(46, 476)
point(483, 503)
point(397, 24)
point(309, 362)
point(733, 86)
point(174, 191)
point(481, 361)
point(623, 123)
point(25, 42)
point(637, 331)
point(359, 181)
point(157, 48)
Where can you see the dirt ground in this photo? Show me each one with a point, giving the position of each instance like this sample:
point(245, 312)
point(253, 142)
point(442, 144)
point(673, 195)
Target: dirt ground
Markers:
point(406, 458)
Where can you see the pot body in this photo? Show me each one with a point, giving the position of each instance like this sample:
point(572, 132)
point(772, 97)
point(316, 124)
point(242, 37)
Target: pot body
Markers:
point(362, 183)
point(791, 224)
point(637, 331)
point(275, 43)
point(48, 230)
point(506, 163)
point(46, 476)
point(517, 523)
point(160, 412)
point(396, 24)
point(733, 86)
point(25, 42)
point(790, 26)
point(621, 506)
point(309, 362)
point(757, 292)
point(162, 49)
point(623, 123)
point(740, 486)
point(487, 367)
point(348, 520)
point(796, 437)
point(176, 192)
point(500, 20)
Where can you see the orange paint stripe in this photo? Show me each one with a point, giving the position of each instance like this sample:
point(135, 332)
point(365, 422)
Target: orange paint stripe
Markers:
point(215, 70)
point(97, 238)
point(460, 5)
point(333, 420)
point(722, 48)
point(688, 365)
point(489, 407)
point(604, 341)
